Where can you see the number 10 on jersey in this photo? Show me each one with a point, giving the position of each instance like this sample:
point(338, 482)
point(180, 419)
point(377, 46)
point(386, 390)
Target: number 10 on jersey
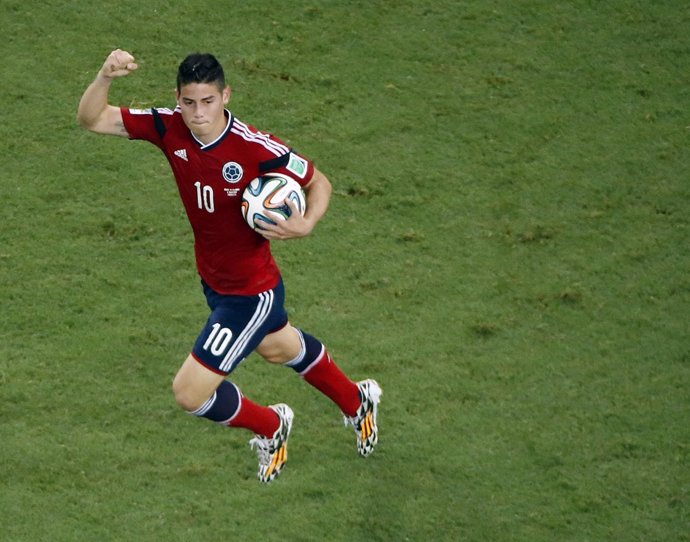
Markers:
point(204, 197)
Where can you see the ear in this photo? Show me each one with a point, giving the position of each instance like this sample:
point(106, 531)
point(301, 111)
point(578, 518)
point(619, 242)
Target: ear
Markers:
point(227, 92)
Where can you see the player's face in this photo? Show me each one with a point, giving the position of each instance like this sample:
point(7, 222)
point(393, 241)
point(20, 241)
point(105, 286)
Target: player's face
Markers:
point(203, 109)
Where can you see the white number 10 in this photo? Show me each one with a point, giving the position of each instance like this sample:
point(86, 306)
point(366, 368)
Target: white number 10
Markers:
point(218, 340)
point(204, 197)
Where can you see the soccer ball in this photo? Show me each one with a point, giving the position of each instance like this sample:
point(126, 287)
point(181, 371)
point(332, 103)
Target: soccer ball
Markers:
point(263, 201)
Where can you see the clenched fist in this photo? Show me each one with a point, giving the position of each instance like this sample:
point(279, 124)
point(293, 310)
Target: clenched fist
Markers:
point(119, 63)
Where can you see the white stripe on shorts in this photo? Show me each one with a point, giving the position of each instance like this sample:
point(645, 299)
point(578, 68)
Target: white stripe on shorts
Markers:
point(263, 309)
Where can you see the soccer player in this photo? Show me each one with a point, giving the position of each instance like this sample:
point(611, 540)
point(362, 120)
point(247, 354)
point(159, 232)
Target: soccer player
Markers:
point(213, 156)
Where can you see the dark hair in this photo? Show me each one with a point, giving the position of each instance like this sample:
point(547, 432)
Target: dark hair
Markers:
point(200, 68)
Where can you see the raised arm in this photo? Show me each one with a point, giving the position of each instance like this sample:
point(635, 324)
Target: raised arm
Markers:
point(95, 113)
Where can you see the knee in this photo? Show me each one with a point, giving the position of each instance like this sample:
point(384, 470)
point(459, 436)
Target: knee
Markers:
point(275, 355)
point(184, 394)
point(194, 384)
point(281, 346)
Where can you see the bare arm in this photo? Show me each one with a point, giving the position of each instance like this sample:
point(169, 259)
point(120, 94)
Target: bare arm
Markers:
point(95, 113)
point(318, 197)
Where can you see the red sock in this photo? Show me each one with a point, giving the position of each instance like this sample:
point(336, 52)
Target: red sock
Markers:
point(259, 419)
point(327, 377)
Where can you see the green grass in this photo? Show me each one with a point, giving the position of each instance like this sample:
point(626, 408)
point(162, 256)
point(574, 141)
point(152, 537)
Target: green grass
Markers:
point(506, 252)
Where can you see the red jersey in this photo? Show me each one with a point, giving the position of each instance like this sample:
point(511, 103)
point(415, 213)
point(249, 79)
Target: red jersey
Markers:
point(230, 256)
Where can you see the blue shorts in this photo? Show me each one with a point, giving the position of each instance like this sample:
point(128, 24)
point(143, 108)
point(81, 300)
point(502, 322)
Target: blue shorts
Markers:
point(237, 325)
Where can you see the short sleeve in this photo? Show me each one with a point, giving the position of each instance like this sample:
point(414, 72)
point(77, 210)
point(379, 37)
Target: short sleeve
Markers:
point(296, 166)
point(143, 124)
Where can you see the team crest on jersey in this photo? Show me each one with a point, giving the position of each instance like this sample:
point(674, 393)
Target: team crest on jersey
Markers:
point(232, 172)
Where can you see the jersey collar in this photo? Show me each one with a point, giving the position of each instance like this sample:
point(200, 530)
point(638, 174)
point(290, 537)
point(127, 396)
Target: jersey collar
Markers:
point(207, 146)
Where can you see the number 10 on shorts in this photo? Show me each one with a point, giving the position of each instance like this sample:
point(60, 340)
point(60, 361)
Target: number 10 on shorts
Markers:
point(218, 340)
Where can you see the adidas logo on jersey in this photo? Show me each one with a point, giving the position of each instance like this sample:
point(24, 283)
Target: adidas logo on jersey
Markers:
point(182, 153)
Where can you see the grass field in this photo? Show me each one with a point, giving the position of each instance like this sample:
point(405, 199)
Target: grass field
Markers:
point(507, 252)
